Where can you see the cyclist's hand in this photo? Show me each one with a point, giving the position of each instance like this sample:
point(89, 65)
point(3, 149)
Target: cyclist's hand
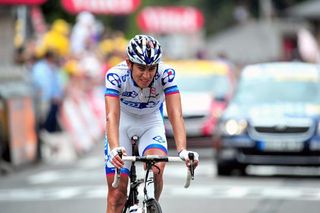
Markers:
point(115, 158)
point(184, 155)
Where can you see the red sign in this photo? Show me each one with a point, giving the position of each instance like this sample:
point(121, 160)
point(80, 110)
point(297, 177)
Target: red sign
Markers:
point(22, 2)
point(116, 7)
point(170, 19)
point(37, 20)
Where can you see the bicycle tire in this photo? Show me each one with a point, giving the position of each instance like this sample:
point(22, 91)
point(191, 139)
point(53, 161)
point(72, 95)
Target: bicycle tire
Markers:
point(153, 206)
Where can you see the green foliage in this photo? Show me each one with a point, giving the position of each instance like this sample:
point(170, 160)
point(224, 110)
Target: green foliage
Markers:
point(53, 10)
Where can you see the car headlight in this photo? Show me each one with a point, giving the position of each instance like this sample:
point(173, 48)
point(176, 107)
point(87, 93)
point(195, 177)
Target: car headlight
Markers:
point(318, 128)
point(235, 127)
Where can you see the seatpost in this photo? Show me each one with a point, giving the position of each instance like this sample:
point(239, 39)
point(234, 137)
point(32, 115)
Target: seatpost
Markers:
point(134, 141)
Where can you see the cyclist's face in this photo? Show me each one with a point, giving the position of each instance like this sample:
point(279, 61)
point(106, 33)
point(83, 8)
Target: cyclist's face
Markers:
point(143, 74)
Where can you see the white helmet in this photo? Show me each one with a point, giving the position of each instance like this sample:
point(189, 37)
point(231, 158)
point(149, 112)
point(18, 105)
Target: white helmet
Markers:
point(144, 49)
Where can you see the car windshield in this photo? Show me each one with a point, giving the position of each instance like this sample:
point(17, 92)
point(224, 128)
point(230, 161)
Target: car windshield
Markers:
point(216, 84)
point(270, 91)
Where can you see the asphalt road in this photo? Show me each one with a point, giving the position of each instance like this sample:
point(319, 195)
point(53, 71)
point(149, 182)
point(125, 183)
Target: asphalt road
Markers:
point(80, 187)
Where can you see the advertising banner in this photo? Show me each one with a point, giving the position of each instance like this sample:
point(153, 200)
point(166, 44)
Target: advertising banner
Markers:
point(115, 7)
point(170, 20)
point(23, 139)
point(29, 2)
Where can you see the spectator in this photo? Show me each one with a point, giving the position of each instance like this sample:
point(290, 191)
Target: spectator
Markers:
point(48, 92)
point(83, 33)
point(57, 39)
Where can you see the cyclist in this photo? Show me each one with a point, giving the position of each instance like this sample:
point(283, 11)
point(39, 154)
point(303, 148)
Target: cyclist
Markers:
point(135, 92)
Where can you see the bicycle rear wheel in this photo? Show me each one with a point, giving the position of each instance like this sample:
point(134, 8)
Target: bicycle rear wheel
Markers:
point(153, 206)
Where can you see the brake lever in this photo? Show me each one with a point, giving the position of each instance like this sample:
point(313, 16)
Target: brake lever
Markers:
point(191, 167)
point(116, 180)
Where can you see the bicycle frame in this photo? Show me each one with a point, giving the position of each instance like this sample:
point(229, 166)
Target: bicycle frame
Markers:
point(134, 183)
point(148, 180)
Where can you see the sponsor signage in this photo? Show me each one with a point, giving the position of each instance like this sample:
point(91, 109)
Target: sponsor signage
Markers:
point(22, 135)
point(170, 19)
point(33, 2)
point(116, 7)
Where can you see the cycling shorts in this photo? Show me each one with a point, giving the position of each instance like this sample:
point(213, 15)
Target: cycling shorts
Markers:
point(150, 130)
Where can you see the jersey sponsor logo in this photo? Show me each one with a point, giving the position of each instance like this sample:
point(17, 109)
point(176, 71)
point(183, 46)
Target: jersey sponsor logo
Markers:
point(168, 76)
point(114, 79)
point(132, 94)
point(157, 76)
point(159, 139)
point(153, 91)
point(125, 77)
point(139, 105)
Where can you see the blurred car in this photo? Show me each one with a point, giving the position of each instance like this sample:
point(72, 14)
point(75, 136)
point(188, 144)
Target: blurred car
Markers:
point(272, 119)
point(206, 87)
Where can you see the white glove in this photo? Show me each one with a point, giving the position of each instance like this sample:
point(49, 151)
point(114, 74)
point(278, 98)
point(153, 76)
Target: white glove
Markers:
point(184, 155)
point(114, 152)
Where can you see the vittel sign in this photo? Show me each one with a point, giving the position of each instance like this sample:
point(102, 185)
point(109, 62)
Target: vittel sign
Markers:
point(170, 19)
point(101, 6)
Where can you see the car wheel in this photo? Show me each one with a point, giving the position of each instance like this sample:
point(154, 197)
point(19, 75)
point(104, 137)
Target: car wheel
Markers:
point(231, 170)
point(224, 170)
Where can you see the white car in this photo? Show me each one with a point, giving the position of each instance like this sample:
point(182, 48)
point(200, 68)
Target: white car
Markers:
point(205, 88)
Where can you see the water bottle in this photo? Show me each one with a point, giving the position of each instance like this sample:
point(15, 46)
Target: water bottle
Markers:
point(135, 208)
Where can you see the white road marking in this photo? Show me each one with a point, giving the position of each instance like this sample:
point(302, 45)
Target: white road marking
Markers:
point(48, 177)
point(171, 190)
point(45, 177)
point(90, 170)
point(244, 192)
point(91, 162)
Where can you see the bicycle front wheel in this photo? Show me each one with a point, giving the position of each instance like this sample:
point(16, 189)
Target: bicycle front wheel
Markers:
point(153, 206)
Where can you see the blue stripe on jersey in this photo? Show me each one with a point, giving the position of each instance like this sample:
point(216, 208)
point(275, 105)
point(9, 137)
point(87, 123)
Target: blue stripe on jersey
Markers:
point(111, 92)
point(172, 89)
point(111, 170)
point(155, 146)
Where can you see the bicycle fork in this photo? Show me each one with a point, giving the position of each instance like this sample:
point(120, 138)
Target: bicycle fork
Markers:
point(149, 186)
point(150, 204)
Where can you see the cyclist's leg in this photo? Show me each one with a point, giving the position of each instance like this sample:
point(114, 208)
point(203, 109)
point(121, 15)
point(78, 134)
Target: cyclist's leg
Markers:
point(116, 198)
point(153, 142)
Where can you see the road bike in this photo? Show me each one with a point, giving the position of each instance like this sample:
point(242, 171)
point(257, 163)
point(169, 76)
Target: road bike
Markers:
point(149, 203)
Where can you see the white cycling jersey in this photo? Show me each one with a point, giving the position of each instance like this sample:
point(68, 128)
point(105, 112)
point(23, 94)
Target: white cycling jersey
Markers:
point(135, 100)
point(141, 109)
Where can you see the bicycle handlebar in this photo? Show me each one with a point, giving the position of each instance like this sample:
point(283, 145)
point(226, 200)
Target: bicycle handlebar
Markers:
point(156, 158)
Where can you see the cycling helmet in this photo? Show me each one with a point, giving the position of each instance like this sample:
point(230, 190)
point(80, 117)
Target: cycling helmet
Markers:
point(144, 49)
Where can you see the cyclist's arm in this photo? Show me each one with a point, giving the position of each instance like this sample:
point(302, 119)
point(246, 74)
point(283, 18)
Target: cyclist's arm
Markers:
point(112, 118)
point(173, 104)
